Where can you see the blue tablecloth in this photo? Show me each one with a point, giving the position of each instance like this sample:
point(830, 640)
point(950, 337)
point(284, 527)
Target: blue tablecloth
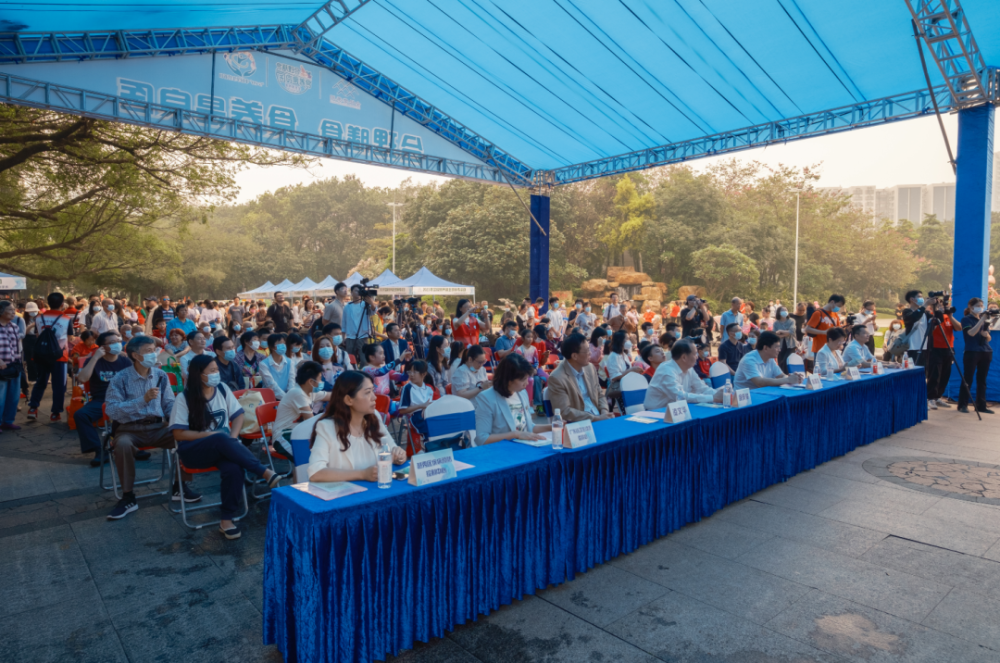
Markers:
point(992, 378)
point(367, 575)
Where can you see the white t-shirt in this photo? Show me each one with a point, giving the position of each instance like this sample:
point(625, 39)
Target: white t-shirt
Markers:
point(753, 366)
point(292, 405)
point(522, 422)
point(414, 395)
point(222, 408)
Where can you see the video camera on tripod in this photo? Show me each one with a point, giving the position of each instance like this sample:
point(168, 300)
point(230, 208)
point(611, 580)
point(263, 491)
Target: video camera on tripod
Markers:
point(945, 299)
point(367, 289)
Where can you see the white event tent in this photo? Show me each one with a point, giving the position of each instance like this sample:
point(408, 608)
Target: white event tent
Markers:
point(304, 287)
point(258, 291)
point(424, 282)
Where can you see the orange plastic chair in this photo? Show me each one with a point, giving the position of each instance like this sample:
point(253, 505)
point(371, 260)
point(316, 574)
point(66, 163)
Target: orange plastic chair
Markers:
point(353, 359)
point(382, 404)
point(447, 389)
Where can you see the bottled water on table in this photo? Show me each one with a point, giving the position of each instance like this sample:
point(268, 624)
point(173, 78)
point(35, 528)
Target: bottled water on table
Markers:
point(384, 467)
point(557, 430)
point(727, 394)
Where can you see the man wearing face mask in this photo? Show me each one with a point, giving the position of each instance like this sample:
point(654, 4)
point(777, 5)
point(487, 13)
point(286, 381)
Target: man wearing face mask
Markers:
point(106, 361)
point(915, 326)
point(733, 348)
point(784, 327)
point(106, 319)
point(823, 319)
point(139, 403)
point(866, 317)
point(197, 344)
point(584, 320)
point(230, 373)
point(507, 342)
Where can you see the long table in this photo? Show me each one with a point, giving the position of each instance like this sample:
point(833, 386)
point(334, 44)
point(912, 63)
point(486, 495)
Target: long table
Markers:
point(370, 574)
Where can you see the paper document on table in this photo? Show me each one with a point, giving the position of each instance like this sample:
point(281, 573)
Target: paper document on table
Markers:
point(793, 386)
point(535, 443)
point(649, 414)
point(329, 490)
point(641, 420)
point(459, 466)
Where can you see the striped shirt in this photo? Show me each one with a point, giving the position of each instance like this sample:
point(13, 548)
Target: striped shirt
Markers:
point(10, 339)
point(125, 401)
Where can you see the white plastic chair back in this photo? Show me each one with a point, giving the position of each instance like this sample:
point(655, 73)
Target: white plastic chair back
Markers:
point(634, 392)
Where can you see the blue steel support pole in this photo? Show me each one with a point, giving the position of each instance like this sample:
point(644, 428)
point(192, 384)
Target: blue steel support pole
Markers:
point(972, 203)
point(539, 261)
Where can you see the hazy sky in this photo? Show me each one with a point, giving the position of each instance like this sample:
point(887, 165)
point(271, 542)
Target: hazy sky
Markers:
point(910, 152)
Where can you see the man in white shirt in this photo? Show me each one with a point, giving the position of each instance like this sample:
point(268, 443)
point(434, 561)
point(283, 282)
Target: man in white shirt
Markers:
point(555, 316)
point(106, 320)
point(675, 380)
point(197, 341)
point(856, 354)
point(760, 367)
point(613, 313)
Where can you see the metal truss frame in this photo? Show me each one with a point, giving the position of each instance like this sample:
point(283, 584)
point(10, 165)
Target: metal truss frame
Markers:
point(944, 28)
point(26, 47)
point(879, 111)
point(49, 96)
point(327, 17)
point(409, 104)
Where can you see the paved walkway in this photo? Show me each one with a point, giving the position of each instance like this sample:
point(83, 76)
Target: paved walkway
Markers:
point(890, 553)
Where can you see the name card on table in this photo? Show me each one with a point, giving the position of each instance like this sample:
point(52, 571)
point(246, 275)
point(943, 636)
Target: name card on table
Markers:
point(852, 373)
point(578, 434)
point(813, 382)
point(428, 468)
point(742, 397)
point(677, 412)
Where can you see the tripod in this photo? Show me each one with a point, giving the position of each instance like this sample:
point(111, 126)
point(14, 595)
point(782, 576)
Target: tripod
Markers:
point(932, 324)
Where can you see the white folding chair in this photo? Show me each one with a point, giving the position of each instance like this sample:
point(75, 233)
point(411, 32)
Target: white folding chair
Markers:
point(546, 403)
point(634, 392)
point(718, 374)
point(450, 418)
point(795, 364)
point(300, 447)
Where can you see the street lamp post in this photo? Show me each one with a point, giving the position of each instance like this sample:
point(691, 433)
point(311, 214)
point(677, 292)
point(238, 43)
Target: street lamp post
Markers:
point(394, 206)
point(795, 282)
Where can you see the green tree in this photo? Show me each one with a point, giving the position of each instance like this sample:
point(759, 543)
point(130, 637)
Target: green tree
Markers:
point(625, 229)
point(935, 250)
point(84, 198)
point(725, 271)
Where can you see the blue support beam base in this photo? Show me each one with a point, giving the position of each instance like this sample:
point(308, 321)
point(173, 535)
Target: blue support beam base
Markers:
point(63, 99)
point(972, 204)
point(539, 256)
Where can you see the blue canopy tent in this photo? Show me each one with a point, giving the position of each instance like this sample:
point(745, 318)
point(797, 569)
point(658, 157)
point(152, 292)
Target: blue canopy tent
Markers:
point(386, 278)
point(526, 93)
point(353, 279)
point(304, 287)
point(264, 289)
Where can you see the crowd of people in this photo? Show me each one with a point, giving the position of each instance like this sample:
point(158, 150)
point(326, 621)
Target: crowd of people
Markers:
point(170, 375)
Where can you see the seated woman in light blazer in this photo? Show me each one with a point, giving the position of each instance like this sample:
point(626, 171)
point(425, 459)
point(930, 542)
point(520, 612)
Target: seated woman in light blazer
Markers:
point(502, 411)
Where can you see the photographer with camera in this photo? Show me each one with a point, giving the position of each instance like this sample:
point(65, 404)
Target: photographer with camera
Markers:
point(977, 357)
point(939, 348)
point(915, 318)
point(467, 325)
point(694, 317)
point(357, 323)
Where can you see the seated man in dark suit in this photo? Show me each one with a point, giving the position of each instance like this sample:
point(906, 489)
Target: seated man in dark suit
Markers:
point(394, 346)
point(573, 386)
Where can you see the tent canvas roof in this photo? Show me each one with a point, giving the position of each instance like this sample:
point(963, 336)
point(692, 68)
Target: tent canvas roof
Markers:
point(305, 285)
point(385, 278)
point(261, 290)
point(425, 282)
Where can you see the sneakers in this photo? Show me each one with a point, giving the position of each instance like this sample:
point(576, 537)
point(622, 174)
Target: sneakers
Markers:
point(963, 410)
point(233, 532)
point(987, 410)
point(96, 460)
point(941, 403)
point(190, 495)
point(931, 405)
point(32, 414)
point(142, 455)
point(55, 417)
point(125, 506)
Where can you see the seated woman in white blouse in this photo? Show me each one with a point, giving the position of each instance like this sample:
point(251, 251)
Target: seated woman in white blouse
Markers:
point(828, 359)
point(502, 411)
point(346, 441)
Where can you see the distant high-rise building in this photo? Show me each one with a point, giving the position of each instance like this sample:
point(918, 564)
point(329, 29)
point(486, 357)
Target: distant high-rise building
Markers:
point(911, 202)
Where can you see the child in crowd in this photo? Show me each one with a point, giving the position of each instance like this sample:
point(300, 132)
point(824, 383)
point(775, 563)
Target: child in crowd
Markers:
point(383, 375)
point(417, 395)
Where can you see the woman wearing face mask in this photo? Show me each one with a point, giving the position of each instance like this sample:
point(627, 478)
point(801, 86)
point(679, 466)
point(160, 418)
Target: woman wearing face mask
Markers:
point(784, 327)
point(454, 353)
point(437, 363)
point(895, 330)
point(800, 320)
point(234, 330)
point(177, 345)
point(206, 420)
point(598, 338)
point(295, 344)
point(329, 358)
point(977, 356)
point(276, 372)
point(249, 359)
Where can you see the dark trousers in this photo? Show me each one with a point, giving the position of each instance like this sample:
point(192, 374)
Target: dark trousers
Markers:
point(231, 457)
point(783, 356)
point(975, 365)
point(938, 371)
point(85, 418)
point(353, 347)
point(871, 344)
point(57, 371)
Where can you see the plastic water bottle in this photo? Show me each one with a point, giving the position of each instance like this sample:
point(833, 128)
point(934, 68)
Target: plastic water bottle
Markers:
point(384, 467)
point(557, 430)
point(727, 394)
point(906, 360)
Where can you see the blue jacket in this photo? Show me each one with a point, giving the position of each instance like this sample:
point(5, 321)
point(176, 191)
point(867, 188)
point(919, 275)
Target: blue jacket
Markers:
point(390, 355)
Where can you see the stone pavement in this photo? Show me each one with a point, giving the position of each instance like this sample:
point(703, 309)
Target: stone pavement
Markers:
point(889, 553)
